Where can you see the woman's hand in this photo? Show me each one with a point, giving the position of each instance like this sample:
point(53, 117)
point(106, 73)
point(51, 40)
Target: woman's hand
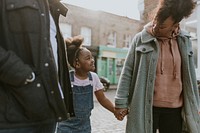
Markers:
point(120, 113)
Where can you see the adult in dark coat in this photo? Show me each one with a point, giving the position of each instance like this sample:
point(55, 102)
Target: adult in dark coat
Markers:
point(35, 90)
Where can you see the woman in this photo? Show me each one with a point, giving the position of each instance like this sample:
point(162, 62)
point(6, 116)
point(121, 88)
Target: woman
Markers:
point(158, 84)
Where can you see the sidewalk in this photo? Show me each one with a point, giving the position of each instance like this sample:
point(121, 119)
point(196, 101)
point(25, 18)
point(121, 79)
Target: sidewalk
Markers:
point(113, 86)
point(103, 121)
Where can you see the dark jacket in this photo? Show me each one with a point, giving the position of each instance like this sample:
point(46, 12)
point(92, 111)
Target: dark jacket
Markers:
point(25, 48)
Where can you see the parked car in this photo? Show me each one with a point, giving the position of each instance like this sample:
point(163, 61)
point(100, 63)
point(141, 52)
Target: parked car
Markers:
point(106, 82)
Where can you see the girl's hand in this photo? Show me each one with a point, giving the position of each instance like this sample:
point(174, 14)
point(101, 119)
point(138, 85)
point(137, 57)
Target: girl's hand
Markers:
point(120, 113)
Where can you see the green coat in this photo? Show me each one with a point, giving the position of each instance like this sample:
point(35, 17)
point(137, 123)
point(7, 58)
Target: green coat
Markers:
point(136, 84)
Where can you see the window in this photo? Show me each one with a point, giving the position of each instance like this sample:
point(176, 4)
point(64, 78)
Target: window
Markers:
point(119, 66)
point(66, 30)
point(86, 33)
point(127, 41)
point(112, 39)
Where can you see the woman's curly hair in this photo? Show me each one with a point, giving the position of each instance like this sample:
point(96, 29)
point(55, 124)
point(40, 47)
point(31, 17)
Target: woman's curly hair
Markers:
point(177, 9)
point(74, 46)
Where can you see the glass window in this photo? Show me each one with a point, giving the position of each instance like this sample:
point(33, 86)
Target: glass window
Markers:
point(127, 40)
point(112, 39)
point(66, 29)
point(86, 33)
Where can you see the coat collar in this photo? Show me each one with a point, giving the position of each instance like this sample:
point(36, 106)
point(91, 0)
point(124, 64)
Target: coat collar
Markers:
point(146, 37)
point(58, 7)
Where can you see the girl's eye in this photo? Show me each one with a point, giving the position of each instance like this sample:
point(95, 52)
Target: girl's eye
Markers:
point(162, 27)
point(88, 58)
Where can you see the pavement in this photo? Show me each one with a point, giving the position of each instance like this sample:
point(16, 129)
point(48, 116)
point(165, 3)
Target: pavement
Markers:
point(103, 121)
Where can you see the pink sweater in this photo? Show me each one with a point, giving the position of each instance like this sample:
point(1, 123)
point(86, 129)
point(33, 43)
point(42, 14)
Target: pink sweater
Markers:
point(168, 83)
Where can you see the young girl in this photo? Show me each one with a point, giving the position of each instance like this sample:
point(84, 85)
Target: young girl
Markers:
point(84, 82)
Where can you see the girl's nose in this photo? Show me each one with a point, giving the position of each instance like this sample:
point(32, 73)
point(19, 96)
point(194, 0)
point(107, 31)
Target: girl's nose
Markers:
point(92, 59)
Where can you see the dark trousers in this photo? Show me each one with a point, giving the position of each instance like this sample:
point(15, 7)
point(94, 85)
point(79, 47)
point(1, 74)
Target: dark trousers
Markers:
point(43, 128)
point(167, 120)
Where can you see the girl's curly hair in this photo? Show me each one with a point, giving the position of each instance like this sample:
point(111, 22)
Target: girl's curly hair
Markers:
point(74, 46)
point(177, 9)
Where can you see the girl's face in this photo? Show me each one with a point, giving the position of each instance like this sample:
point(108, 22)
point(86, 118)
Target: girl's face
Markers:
point(166, 28)
point(85, 61)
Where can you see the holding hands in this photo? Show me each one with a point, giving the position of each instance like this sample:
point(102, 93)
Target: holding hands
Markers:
point(120, 113)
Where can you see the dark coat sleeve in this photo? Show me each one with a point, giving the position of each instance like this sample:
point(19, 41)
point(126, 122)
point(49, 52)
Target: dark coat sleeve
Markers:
point(12, 69)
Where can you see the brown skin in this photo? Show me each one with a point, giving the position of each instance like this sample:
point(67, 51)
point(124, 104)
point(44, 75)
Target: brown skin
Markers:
point(85, 63)
point(120, 113)
point(104, 101)
point(166, 28)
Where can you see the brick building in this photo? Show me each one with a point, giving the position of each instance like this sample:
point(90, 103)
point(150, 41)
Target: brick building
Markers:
point(101, 26)
point(107, 35)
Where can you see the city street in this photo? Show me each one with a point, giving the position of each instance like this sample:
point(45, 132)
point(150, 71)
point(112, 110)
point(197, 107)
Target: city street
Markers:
point(103, 121)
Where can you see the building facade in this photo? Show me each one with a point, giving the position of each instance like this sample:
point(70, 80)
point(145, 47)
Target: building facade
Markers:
point(107, 35)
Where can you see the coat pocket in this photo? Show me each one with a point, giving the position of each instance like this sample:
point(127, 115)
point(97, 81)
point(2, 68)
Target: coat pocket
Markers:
point(28, 102)
point(144, 49)
point(23, 16)
point(190, 53)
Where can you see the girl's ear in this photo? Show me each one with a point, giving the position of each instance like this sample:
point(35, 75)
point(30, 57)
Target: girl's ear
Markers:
point(76, 64)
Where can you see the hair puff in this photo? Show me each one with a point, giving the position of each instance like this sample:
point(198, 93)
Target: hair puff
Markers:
point(73, 44)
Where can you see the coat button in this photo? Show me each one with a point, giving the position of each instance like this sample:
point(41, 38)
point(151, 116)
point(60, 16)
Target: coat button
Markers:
point(34, 5)
point(144, 49)
point(59, 118)
point(12, 5)
point(38, 85)
point(46, 64)
point(52, 92)
point(191, 52)
point(42, 14)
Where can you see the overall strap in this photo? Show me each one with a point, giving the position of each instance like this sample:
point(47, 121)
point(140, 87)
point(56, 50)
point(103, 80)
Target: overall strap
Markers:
point(71, 73)
point(90, 78)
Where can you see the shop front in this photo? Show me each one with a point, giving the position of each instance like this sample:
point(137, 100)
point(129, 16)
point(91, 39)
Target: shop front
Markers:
point(110, 61)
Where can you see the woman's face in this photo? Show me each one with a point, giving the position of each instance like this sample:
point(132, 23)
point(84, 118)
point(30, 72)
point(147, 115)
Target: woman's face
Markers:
point(166, 28)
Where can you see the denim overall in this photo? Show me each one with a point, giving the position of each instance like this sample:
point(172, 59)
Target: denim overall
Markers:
point(83, 105)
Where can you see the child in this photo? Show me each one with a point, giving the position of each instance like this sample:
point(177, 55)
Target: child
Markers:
point(84, 82)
